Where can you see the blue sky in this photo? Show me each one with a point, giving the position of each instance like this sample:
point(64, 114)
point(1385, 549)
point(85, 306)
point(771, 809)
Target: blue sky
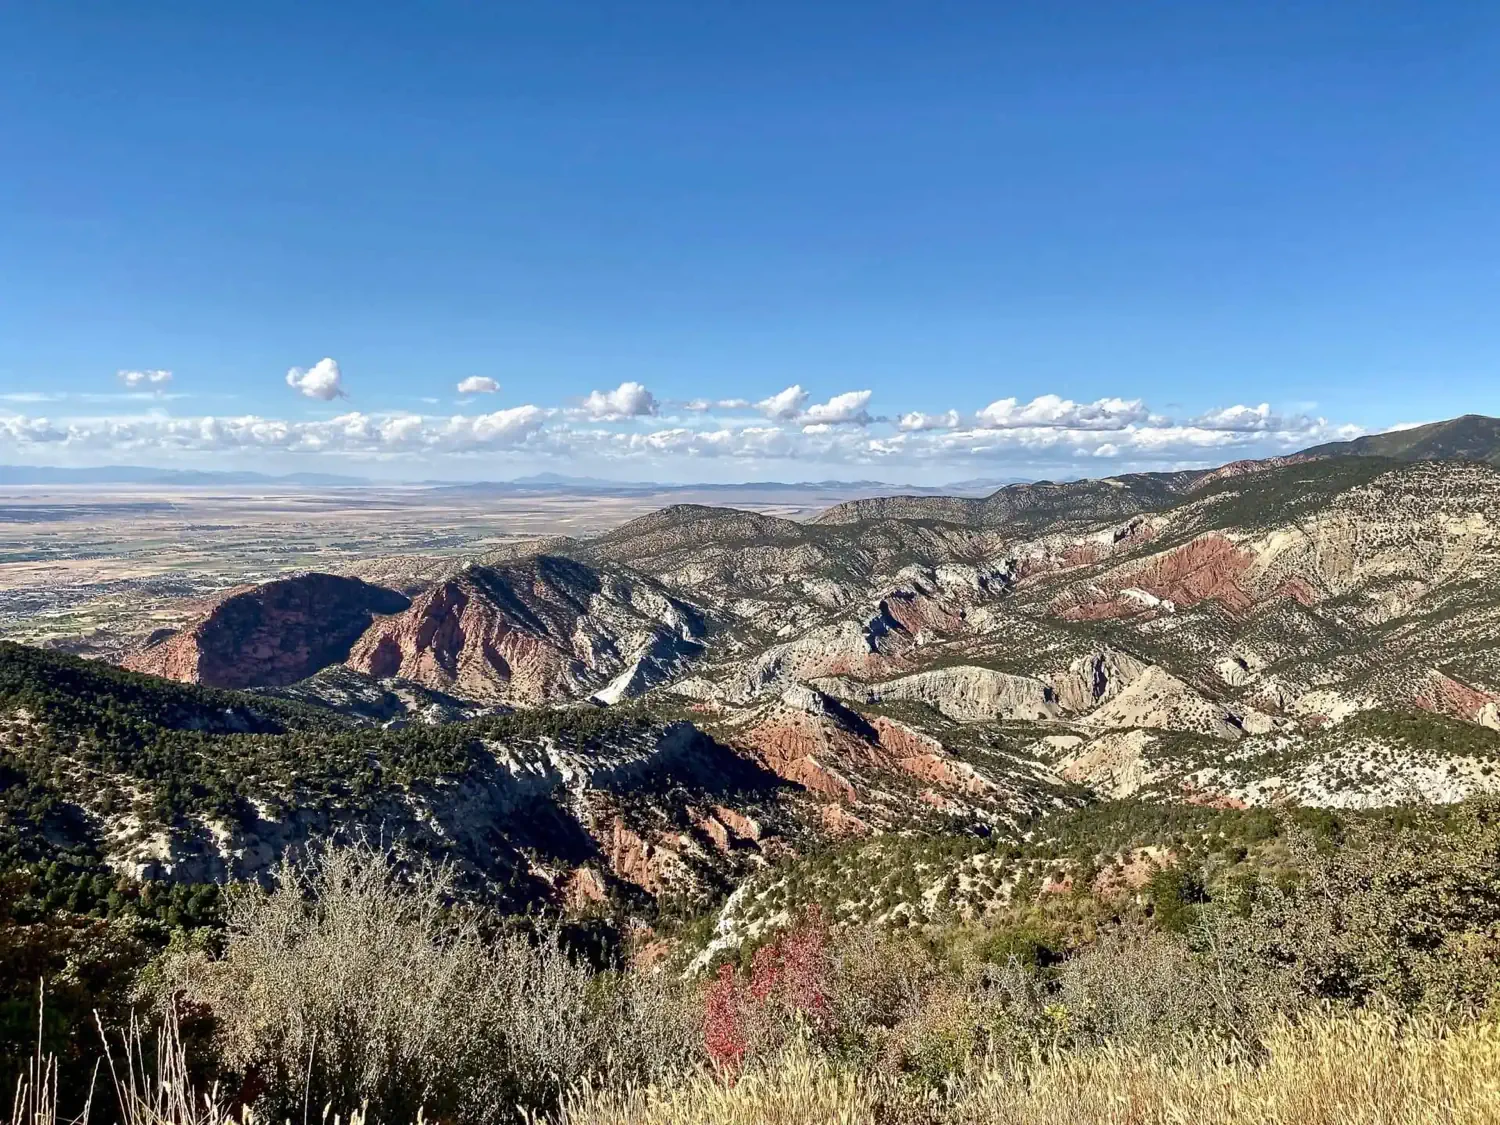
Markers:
point(1140, 222)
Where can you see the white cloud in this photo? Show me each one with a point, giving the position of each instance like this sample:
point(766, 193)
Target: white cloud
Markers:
point(784, 406)
point(628, 400)
point(478, 385)
point(322, 381)
point(916, 421)
point(1062, 413)
point(148, 379)
point(847, 409)
point(1252, 419)
point(703, 405)
point(352, 433)
point(502, 427)
point(1240, 419)
point(19, 430)
point(1048, 434)
point(790, 405)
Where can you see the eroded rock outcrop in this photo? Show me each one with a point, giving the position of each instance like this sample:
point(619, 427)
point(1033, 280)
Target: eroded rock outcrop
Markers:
point(271, 635)
point(967, 693)
point(539, 631)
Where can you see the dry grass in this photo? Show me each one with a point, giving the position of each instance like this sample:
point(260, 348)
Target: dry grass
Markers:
point(145, 1071)
point(1332, 1070)
point(1351, 1070)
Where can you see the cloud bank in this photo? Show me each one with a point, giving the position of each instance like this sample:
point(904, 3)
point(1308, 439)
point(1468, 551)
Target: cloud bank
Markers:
point(1049, 433)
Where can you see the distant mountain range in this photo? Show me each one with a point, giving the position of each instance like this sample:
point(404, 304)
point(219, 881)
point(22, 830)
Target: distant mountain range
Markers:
point(536, 482)
point(140, 474)
point(557, 482)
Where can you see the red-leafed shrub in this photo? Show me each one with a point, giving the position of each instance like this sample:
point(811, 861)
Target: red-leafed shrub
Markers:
point(724, 1034)
point(792, 972)
point(787, 988)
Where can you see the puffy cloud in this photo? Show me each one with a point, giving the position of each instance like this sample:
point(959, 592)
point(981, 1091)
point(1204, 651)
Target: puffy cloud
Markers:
point(322, 381)
point(784, 406)
point(790, 405)
point(847, 409)
point(136, 380)
point(1052, 411)
point(628, 400)
point(916, 421)
point(1253, 420)
point(1240, 419)
point(478, 385)
point(16, 429)
point(502, 427)
point(748, 442)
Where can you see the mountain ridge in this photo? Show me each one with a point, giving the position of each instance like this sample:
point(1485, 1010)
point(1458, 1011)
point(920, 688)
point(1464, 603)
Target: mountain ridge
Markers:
point(1323, 631)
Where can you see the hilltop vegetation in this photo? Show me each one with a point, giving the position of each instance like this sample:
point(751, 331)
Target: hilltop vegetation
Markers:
point(1472, 437)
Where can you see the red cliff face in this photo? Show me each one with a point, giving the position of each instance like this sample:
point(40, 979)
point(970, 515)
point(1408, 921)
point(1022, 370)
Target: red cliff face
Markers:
point(271, 635)
point(846, 760)
point(535, 632)
point(1209, 567)
point(1443, 695)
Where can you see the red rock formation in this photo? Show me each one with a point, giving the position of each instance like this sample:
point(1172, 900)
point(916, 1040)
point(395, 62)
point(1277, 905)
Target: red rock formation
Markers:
point(745, 827)
point(1208, 567)
point(650, 866)
point(727, 828)
point(582, 888)
point(840, 823)
point(1245, 468)
point(1443, 695)
point(925, 758)
point(1093, 550)
point(791, 743)
point(918, 612)
point(1298, 589)
point(821, 752)
point(538, 631)
point(714, 829)
point(271, 635)
point(1210, 800)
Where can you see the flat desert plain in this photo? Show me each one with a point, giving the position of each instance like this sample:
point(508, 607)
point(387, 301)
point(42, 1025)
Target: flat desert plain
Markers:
point(94, 570)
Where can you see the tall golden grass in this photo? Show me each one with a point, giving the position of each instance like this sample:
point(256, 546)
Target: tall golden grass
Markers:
point(1330, 1070)
point(1361, 1069)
